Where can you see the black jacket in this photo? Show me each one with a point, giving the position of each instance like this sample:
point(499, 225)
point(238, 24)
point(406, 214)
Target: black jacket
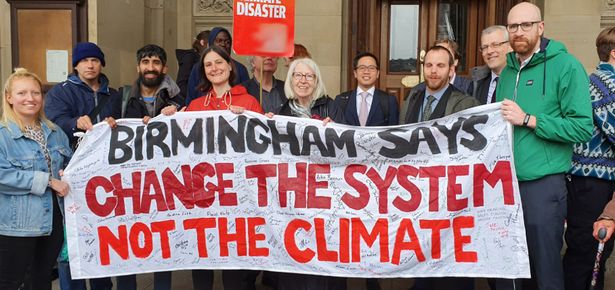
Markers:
point(452, 101)
point(186, 58)
point(276, 98)
point(168, 94)
point(323, 107)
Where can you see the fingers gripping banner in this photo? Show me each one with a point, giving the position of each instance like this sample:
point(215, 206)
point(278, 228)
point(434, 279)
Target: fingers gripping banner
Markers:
point(216, 190)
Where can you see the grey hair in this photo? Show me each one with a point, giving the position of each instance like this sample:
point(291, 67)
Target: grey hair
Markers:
point(320, 89)
point(494, 28)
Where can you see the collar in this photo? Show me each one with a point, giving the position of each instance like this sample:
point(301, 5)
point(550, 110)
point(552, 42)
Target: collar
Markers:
point(452, 80)
point(438, 95)
point(493, 76)
point(16, 132)
point(525, 62)
point(371, 90)
point(606, 67)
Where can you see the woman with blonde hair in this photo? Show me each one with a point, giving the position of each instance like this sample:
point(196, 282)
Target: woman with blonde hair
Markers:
point(32, 152)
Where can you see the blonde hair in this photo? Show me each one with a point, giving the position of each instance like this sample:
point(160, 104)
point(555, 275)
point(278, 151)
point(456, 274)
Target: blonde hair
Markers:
point(8, 114)
point(319, 90)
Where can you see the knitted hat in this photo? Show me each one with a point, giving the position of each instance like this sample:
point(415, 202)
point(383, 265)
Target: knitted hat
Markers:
point(87, 49)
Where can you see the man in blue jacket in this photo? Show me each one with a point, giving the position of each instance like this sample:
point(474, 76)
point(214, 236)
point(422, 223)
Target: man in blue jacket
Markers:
point(84, 98)
point(75, 105)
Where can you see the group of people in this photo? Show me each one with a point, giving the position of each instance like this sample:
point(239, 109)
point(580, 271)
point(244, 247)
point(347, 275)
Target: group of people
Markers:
point(564, 141)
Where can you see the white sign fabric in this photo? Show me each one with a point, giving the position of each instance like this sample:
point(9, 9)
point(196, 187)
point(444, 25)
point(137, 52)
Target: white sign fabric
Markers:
point(217, 190)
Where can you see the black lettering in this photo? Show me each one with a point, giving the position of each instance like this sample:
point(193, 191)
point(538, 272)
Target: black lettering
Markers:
point(400, 144)
point(314, 140)
point(158, 139)
point(479, 142)
point(226, 131)
point(344, 140)
point(290, 138)
point(416, 139)
point(122, 145)
point(451, 134)
point(253, 144)
point(194, 137)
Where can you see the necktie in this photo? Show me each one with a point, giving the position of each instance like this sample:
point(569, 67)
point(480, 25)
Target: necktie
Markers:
point(363, 109)
point(427, 110)
point(495, 81)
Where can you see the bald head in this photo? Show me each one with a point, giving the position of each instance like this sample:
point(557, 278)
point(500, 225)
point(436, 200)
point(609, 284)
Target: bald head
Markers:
point(525, 9)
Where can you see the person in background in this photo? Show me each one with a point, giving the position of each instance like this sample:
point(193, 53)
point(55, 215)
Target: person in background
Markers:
point(272, 89)
point(220, 37)
point(33, 151)
point(186, 58)
point(300, 52)
point(494, 46)
point(591, 180)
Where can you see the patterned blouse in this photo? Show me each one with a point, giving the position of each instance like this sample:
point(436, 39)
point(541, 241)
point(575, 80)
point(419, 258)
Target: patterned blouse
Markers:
point(36, 133)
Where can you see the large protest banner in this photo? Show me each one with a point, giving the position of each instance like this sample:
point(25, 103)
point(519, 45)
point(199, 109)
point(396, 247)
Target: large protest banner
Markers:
point(216, 190)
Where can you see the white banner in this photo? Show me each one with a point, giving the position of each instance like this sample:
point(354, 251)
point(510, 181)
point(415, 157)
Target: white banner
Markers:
point(216, 190)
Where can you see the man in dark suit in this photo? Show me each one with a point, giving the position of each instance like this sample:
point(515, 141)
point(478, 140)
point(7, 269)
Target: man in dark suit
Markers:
point(494, 46)
point(437, 99)
point(366, 105)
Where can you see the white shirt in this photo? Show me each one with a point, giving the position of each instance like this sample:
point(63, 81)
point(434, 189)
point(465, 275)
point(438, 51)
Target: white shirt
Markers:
point(370, 98)
point(492, 86)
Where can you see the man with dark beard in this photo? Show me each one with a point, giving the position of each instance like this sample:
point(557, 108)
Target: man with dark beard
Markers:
point(154, 92)
point(545, 94)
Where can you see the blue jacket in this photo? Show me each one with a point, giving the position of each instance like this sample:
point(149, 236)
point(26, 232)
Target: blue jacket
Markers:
point(26, 208)
point(71, 99)
point(347, 102)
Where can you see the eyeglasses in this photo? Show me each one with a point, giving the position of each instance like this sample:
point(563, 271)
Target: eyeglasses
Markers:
point(495, 45)
point(525, 26)
point(298, 76)
point(370, 68)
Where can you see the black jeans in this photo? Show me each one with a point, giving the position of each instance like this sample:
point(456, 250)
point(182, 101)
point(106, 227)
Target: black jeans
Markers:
point(587, 197)
point(38, 254)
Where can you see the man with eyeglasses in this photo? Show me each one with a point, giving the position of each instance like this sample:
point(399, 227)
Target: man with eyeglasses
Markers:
point(494, 46)
point(545, 97)
point(366, 105)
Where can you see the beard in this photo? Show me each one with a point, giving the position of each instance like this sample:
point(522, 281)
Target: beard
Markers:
point(151, 83)
point(435, 84)
point(523, 45)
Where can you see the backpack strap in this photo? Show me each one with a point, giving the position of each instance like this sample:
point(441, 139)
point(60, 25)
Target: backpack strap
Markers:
point(125, 96)
point(96, 111)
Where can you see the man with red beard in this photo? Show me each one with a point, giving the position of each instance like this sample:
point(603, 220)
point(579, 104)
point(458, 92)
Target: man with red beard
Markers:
point(545, 94)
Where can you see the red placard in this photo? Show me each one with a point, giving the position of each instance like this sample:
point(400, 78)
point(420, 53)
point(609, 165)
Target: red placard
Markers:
point(264, 27)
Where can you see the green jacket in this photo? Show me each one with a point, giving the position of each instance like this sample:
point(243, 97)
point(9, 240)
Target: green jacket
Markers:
point(554, 87)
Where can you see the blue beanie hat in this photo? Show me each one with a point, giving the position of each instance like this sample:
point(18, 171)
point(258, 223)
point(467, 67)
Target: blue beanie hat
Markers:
point(214, 32)
point(87, 49)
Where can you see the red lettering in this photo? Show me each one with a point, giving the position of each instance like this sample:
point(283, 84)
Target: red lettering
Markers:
point(313, 200)
point(459, 223)
point(203, 193)
point(253, 236)
point(434, 173)
point(415, 193)
point(383, 186)
point(361, 201)
point(107, 241)
point(360, 233)
point(321, 242)
point(406, 229)
point(174, 187)
point(261, 172)
point(163, 228)
point(238, 237)
point(137, 230)
point(301, 256)
point(122, 193)
point(436, 227)
point(226, 198)
point(454, 189)
point(151, 180)
point(90, 196)
point(297, 184)
point(344, 240)
point(501, 172)
point(200, 225)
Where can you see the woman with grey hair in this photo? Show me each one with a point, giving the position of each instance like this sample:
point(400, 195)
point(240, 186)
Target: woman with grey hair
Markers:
point(306, 93)
point(307, 98)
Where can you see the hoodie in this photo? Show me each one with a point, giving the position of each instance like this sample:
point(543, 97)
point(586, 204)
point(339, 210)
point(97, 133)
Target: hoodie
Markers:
point(553, 87)
point(168, 93)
